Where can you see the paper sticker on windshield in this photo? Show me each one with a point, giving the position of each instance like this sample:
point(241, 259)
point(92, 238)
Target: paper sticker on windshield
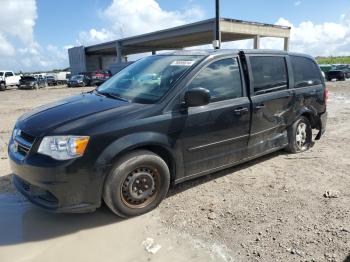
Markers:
point(182, 63)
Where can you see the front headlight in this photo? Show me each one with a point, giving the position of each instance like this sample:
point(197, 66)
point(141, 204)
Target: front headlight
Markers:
point(16, 132)
point(63, 147)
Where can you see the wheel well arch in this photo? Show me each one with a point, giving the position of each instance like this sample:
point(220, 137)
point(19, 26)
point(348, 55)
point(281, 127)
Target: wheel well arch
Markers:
point(312, 118)
point(165, 155)
point(159, 150)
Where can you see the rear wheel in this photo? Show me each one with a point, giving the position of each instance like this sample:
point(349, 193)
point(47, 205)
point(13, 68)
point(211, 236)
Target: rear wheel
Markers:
point(137, 184)
point(299, 135)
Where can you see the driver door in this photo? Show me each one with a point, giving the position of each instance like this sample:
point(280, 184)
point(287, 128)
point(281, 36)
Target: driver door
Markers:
point(216, 135)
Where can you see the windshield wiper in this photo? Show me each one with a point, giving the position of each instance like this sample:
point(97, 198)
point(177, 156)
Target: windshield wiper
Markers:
point(114, 96)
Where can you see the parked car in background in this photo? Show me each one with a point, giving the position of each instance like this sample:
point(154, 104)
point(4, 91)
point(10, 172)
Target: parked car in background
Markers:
point(343, 67)
point(62, 78)
point(99, 77)
point(51, 80)
point(31, 82)
point(325, 68)
point(336, 74)
point(193, 113)
point(8, 78)
point(78, 81)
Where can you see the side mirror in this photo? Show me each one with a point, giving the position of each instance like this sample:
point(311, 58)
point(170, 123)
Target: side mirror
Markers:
point(197, 97)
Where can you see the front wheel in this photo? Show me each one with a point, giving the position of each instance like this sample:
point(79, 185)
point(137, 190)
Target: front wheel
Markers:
point(2, 87)
point(299, 135)
point(138, 182)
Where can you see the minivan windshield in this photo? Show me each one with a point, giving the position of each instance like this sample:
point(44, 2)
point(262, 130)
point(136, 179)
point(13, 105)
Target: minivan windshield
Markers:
point(148, 80)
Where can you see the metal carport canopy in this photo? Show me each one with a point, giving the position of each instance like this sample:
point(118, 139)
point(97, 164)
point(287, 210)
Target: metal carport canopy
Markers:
point(188, 35)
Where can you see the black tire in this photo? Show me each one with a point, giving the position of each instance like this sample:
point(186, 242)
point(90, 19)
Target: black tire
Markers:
point(2, 87)
point(122, 186)
point(299, 141)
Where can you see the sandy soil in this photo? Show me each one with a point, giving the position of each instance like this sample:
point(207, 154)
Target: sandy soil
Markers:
point(270, 209)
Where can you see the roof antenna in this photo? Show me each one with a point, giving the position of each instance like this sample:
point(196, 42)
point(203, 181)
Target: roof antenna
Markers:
point(217, 41)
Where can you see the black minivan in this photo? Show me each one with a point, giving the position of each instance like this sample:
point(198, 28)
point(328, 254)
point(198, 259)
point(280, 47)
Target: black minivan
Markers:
point(165, 119)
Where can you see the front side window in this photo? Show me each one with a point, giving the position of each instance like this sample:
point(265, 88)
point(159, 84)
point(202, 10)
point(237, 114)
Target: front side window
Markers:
point(8, 74)
point(222, 78)
point(149, 79)
point(269, 74)
point(305, 71)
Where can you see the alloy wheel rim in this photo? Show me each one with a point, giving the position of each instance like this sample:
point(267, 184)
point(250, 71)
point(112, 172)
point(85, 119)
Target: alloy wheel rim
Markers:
point(140, 187)
point(301, 136)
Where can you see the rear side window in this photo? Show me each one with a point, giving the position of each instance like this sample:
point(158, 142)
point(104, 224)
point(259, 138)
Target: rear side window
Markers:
point(222, 78)
point(269, 74)
point(305, 71)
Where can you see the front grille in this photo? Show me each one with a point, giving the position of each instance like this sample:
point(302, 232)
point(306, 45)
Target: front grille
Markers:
point(23, 150)
point(27, 137)
point(24, 143)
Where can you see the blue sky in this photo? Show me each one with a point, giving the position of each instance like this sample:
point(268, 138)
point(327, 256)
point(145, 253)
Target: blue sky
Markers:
point(61, 23)
point(34, 34)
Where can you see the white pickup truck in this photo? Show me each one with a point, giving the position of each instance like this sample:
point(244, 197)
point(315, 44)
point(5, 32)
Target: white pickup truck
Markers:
point(8, 78)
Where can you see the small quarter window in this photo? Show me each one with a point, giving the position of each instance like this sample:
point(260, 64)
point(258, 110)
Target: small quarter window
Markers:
point(305, 71)
point(269, 74)
point(222, 78)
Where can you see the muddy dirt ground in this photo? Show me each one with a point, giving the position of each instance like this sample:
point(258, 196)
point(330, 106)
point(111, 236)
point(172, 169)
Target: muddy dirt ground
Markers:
point(270, 209)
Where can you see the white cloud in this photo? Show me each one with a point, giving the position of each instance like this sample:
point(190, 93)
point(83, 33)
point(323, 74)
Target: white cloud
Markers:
point(18, 48)
point(133, 17)
point(17, 19)
point(329, 38)
point(94, 36)
point(6, 49)
point(297, 3)
point(326, 39)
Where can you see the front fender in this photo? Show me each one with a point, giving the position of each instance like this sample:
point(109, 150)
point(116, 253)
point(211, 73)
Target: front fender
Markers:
point(132, 141)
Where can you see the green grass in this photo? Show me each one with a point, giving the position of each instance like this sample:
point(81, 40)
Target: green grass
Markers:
point(333, 60)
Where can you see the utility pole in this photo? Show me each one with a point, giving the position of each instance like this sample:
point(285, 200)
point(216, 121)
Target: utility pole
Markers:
point(217, 41)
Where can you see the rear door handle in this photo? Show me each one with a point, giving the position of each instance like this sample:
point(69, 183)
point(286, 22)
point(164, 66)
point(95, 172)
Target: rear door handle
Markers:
point(241, 110)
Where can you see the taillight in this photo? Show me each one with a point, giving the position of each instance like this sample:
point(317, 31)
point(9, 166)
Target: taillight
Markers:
point(325, 95)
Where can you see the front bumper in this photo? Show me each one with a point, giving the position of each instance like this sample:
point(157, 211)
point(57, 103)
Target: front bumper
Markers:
point(26, 86)
point(57, 186)
point(75, 84)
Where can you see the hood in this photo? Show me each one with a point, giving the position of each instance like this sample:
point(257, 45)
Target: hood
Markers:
point(48, 117)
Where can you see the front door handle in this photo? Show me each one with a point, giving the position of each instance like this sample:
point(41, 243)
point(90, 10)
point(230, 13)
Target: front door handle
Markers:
point(241, 110)
point(259, 107)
